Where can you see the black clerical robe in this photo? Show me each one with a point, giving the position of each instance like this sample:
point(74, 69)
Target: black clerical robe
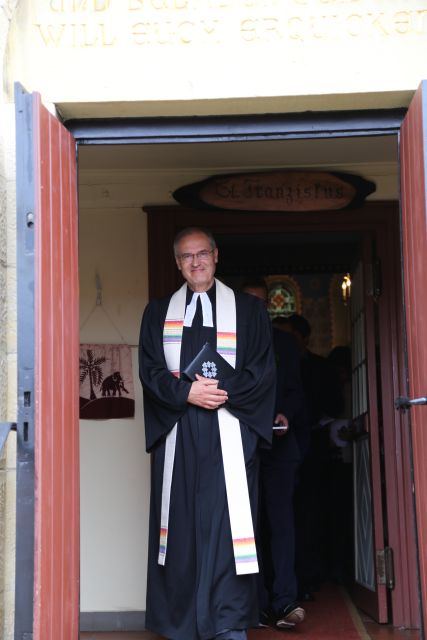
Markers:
point(197, 594)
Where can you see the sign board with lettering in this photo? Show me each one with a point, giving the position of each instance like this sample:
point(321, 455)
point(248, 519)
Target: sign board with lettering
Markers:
point(157, 51)
point(287, 190)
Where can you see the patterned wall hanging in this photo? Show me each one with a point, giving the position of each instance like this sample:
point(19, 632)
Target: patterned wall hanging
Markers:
point(106, 382)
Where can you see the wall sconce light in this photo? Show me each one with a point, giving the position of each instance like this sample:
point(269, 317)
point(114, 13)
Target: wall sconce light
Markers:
point(346, 289)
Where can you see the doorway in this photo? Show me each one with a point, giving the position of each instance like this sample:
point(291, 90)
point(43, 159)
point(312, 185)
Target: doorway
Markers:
point(115, 181)
point(367, 237)
point(310, 128)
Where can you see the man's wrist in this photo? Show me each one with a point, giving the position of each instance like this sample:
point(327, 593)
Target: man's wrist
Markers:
point(185, 385)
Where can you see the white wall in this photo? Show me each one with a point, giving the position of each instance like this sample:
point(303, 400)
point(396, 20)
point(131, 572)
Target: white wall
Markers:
point(114, 465)
point(151, 57)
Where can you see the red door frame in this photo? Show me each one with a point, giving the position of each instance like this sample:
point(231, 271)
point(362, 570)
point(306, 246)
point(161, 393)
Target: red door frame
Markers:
point(187, 130)
point(57, 464)
point(363, 597)
point(413, 157)
point(381, 219)
point(47, 583)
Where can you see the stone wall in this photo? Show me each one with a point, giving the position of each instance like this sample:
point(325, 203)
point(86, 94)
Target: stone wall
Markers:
point(7, 339)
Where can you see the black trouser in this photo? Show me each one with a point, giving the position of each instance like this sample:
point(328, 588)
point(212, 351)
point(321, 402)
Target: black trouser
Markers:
point(311, 514)
point(277, 532)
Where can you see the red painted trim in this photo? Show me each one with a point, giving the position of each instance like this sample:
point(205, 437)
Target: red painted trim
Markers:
point(381, 613)
point(56, 562)
point(414, 230)
point(396, 434)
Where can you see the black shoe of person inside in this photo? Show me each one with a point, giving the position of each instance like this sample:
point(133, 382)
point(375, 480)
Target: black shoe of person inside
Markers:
point(289, 616)
point(267, 618)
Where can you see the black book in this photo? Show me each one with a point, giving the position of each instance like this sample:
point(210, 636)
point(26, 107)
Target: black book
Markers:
point(209, 364)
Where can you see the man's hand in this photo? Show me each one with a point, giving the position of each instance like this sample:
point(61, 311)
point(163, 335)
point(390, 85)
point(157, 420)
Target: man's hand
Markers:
point(281, 420)
point(204, 393)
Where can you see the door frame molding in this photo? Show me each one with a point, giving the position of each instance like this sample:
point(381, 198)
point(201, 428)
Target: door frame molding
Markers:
point(307, 125)
point(286, 126)
point(25, 459)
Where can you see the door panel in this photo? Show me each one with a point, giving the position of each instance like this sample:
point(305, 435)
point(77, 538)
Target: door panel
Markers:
point(369, 528)
point(364, 535)
point(413, 158)
point(47, 163)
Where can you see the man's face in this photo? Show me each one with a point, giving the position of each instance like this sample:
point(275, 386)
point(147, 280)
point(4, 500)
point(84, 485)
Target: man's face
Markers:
point(199, 271)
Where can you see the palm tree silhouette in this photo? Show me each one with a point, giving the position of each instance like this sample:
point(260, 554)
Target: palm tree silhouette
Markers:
point(91, 367)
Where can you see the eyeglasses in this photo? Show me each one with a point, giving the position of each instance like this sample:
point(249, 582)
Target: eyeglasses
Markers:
point(200, 255)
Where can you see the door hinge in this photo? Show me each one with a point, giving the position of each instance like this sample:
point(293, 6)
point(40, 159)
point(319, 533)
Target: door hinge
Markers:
point(385, 567)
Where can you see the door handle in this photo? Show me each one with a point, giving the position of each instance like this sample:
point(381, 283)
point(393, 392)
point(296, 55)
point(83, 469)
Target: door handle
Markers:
point(403, 404)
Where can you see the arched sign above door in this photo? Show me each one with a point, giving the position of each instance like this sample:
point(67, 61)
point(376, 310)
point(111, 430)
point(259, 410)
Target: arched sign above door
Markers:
point(282, 190)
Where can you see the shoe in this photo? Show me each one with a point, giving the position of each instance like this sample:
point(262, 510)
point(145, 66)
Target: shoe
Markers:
point(266, 619)
point(289, 616)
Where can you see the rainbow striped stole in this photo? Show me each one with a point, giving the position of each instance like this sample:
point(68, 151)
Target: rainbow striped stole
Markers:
point(172, 331)
point(226, 344)
point(172, 336)
point(245, 551)
point(245, 555)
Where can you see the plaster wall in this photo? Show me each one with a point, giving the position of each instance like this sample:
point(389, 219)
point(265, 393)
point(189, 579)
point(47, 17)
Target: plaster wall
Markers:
point(158, 57)
point(114, 465)
point(7, 340)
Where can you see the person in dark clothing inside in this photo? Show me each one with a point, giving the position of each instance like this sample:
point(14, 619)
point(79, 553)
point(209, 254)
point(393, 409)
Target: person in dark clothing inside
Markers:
point(323, 401)
point(342, 432)
point(278, 588)
point(204, 437)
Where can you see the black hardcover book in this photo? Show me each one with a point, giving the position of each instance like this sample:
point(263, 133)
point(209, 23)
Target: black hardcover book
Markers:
point(209, 364)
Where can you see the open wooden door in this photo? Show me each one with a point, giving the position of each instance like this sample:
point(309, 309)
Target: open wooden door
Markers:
point(413, 158)
point(370, 590)
point(47, 570)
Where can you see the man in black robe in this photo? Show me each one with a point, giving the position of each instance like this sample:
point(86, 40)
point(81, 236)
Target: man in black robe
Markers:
point(197, 594)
